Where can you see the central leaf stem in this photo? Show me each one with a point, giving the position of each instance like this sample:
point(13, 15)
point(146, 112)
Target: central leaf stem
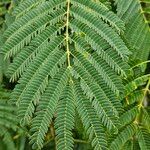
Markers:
point(67, 32)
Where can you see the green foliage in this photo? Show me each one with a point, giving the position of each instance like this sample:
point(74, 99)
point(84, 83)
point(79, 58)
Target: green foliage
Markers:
point(146, 10)
point(135, 113)
point(78, 67)
point(143, 139)
point(137, 30)
point(8, 120)
point(3, 12)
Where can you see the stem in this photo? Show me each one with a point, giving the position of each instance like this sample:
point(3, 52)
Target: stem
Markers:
point(144, 62)
point(147, 87)
point(80, 141)
point(67, 32)
point(136, 121)
point(145, 91)
point(142, 11)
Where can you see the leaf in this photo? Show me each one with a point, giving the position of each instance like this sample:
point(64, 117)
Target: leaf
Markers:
point(137, 31)
point(123, 137)
point(54, 45)
point(143, 138)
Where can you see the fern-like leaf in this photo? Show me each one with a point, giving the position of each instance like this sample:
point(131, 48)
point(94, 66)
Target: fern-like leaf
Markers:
point(55, 44)
point(123, 137)
point(65, 120)
point(129, 116)
point(47, 108)
point(143, 138)
point(137, 31)
point(90, 120)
